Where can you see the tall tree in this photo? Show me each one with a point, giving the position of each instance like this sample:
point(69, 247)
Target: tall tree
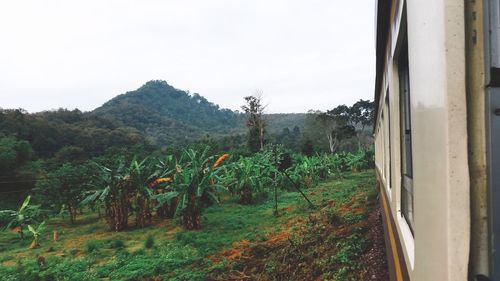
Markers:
point(255, 123)
point(62, 189)
point(336, 124)
point(13, 153)
point(362, 116)
point(343, 125)
point(327, 123)
point(314, 133)
point(352, 121)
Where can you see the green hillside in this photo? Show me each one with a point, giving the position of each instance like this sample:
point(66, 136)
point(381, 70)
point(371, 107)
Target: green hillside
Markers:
point(48, 132)
point(166, 115)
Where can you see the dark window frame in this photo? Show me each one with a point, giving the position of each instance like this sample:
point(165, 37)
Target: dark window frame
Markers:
point(492, 63)
point(389, 137)
point(407, 192)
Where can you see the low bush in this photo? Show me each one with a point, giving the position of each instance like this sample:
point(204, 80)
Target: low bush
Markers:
point(93, 246)
point(149, 242)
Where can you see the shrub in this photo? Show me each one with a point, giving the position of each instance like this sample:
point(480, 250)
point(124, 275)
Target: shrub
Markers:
point(92, 246)
point(74, 252)
point(149, 242)
point(117, 244)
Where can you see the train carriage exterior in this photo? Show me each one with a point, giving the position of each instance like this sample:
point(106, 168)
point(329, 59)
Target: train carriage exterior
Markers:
point(437, 137)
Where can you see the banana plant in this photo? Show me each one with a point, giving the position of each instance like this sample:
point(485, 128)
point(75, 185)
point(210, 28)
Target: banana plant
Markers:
point(164, 195)
point(305, 171)
point(362, 160)
point(20, 219)
point(343, 160)
point(322, 164)
point(140, 175)
point(197, 175)
point(112, 189)
point(36, 232)
point(248, 181)
point(255, 175)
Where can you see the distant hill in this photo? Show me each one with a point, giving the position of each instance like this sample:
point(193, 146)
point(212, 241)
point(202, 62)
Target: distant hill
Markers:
point(156, 114)
point(166, 115)
point(50, 131)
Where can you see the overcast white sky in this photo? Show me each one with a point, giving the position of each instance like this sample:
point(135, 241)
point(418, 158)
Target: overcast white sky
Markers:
point(307, 54)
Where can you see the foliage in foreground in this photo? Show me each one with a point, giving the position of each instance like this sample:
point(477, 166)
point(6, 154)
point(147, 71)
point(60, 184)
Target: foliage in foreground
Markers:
point(22, 219)
point(201, 255)
point(186, 187)
point(181, 187)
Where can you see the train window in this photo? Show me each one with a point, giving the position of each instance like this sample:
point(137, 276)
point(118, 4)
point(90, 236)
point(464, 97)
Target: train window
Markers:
point(406, 150)
point(494, 34)
point(493, 108)
point(382, 137)
point(493, 48)
point(387, 144)
point(494, 178)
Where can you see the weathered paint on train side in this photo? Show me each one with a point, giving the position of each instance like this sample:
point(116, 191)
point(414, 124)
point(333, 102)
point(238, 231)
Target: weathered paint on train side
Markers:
point(444, 75)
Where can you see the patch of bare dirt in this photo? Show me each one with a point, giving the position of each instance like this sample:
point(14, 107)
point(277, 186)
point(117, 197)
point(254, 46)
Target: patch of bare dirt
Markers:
point(310, 253)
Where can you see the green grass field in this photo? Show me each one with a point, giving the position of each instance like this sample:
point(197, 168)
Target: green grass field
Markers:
point(164, 251)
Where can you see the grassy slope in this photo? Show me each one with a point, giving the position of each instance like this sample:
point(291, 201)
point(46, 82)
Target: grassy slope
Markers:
point(88, 251)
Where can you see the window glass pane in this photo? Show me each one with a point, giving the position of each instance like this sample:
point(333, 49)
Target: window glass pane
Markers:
point(406, 150)
point(387, 124)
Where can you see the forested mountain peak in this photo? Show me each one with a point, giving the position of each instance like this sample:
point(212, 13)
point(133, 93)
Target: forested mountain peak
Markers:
point(157, 94)
point(166, 114)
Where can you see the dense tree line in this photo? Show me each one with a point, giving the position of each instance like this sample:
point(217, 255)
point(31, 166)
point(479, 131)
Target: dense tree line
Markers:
point(343, 128)
point(32, 145)
point(50, 131)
